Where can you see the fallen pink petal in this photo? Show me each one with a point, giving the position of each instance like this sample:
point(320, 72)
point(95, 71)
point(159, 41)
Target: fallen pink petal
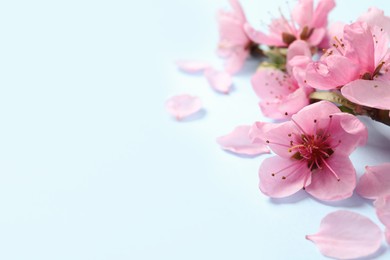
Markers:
point(192, 66)
point(375, 182)
point(346, 235)
point(382, 207)
point(182, 106)
point(240, 142)
point(387, 235)
point(220, 81)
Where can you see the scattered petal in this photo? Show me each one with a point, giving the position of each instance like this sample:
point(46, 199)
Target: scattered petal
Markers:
point(387, 235)
point(345, 235)
point(221, 81)
point(375, 182)
point(239, 141)
point(382, 207)
point(192, 66)
point(183, 105)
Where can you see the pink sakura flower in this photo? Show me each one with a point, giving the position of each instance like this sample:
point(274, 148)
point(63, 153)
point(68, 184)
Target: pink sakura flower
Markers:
point(241, 141)
point(182, 106)
point(283, 94)
point(346, 235)
point(306, 23)
point(312, 153)
point(234, 44)
point(358, 63)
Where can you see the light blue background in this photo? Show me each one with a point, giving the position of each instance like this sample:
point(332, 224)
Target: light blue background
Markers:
point(92, 166)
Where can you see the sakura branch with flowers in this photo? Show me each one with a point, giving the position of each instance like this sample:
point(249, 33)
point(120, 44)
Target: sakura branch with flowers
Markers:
point(313, 80)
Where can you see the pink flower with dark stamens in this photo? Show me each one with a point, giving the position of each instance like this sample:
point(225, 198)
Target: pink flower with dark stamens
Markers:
point(234, 44)
point(312, 153)
point(306, 24)
point(282, 93)
point(358, 63)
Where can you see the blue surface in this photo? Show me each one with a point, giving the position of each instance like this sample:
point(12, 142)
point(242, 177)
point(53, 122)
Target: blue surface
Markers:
point(92, 166)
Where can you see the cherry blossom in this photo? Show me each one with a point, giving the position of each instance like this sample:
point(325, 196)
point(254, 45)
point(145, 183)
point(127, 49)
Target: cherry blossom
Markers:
point(234, 44)
point(282, 93)
point(312, 153)
point(306, 24)
point(358, 63)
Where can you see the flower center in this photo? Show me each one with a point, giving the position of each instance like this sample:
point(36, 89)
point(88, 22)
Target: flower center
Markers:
point(309, 150)
point(375, 74)
point(312, 148)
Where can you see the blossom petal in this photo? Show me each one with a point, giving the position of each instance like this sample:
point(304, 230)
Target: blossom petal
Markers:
point(331, 72)
point(359, 34)
point(347, 132)
point(382, 207)
point(239, 141)
point(261, 38)
point(231, 31)
point(325, 184)
point(285, 107)
point(192, 66)
point(231, 27)
point(376, 17)
point(279, 137)
point(345, 235)
point(387, 235)
point(317, 36)
point(375, 182)
point(303, 13)
point(371, 93)
point(305, 118)
point(320, 17)
point(183, 105)
point(280, 177)
point(235, 60)
point(258, 130)
point(271, 84)
point(298, 48)
point(221, 81)
point(237, 8)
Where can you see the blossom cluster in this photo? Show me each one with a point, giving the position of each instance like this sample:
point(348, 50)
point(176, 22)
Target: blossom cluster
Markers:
point(313, 80)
